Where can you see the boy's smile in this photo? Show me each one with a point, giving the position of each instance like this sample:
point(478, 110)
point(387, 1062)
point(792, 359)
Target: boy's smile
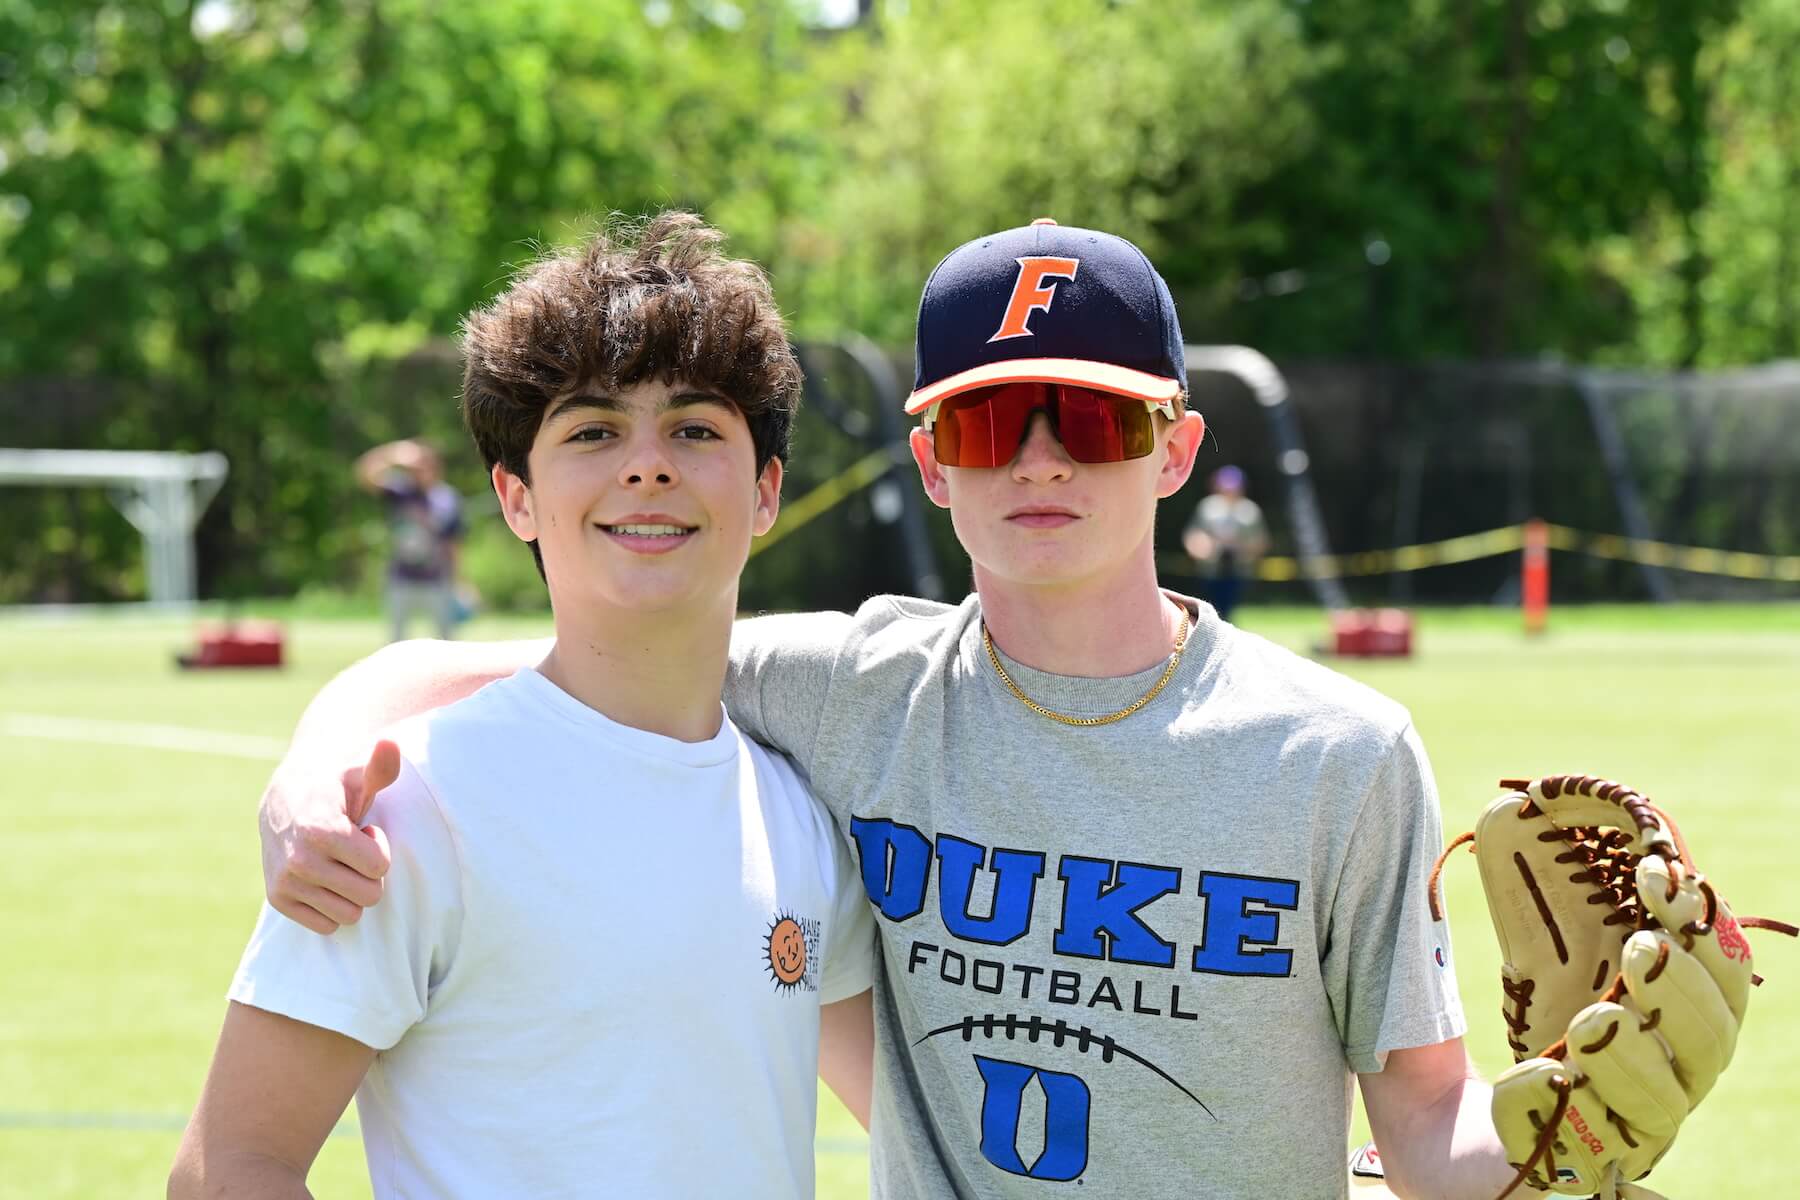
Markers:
point(649, 533)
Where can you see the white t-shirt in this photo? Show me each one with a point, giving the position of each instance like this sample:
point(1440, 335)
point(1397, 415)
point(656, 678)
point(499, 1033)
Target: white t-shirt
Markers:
point(598, 964)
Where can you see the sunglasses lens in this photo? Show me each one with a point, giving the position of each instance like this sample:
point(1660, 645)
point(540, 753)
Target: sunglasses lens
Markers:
point(984, 426)
point(1099, 427)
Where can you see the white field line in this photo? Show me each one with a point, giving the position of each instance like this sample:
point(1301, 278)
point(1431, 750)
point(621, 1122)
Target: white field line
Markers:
point(134, 733)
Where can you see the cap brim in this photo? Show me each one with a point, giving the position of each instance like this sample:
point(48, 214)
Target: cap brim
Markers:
point(1081, 372)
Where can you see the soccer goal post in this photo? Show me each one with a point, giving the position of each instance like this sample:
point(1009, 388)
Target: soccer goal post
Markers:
point(161, 493)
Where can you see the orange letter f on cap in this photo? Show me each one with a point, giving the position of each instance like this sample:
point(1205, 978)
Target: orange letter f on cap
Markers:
point(1029, 293)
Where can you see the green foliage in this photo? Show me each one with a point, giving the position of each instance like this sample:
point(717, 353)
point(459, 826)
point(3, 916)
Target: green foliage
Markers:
point(253, 227)
point(1147, 119)
point(1488, 147)
point(1748, 234)
point(233, 210)
point(499, 566)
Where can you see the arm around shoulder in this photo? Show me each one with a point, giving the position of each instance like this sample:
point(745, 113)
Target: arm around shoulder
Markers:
point(319, 868)
point(398, 681)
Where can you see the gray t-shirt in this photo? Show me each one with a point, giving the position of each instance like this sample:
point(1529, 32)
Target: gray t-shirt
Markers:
point(1140, 958)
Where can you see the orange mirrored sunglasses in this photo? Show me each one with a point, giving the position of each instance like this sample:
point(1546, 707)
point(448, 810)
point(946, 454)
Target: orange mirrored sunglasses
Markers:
point(985, 426)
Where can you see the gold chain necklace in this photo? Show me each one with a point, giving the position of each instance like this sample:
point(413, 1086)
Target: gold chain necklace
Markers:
point(1181, 638)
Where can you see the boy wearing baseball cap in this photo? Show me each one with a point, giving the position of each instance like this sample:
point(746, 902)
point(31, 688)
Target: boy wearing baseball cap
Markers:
point(614, 927)
point(1150, 890)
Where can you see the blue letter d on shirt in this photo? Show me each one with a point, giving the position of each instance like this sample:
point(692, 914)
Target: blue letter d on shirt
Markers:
point(1065, 1153)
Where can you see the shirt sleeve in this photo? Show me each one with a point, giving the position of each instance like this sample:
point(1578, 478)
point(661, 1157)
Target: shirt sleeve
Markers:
point(850, 947)
point(371, 981)
point(779, 678)
point(1387, 964)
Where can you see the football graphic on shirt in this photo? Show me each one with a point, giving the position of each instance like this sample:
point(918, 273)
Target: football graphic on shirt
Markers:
point(1058, 1033)
point(1058, 1150)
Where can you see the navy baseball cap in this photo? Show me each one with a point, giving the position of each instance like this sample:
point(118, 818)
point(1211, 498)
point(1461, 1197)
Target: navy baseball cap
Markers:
point(1047, 303)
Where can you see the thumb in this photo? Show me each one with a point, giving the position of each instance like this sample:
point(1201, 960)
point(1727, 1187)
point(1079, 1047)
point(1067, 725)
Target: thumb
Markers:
point(379, 836)
point(361, 785)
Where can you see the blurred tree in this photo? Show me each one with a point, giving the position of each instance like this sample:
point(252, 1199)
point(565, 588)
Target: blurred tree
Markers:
point(1473, 158)
point(1747, 232)
point(1148, 119)
point(250, 225)
point(1712, 273)
point(235, 209)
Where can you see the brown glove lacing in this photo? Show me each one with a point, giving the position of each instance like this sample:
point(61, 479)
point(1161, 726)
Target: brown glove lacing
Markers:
point(1547, 1145)
point(1607, 861)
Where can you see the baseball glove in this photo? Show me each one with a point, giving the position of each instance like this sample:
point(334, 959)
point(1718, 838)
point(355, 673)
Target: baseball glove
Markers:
point(1625, 978)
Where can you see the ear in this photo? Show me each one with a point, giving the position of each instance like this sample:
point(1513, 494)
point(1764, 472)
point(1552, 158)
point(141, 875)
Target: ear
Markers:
point(515, 503)
point(1179, 453)
point(768, 498)
point(924, 452)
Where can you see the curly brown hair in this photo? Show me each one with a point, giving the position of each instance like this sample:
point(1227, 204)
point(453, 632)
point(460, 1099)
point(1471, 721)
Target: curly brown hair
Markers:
point(654, 299)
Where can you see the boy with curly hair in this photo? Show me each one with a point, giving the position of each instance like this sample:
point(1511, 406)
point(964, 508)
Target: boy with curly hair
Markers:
point(614, 928)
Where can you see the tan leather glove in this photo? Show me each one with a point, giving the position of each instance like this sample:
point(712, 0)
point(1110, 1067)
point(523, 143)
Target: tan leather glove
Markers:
point(1625, 975)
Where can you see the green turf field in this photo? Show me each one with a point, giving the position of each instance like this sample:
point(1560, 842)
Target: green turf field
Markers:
point(130, 870)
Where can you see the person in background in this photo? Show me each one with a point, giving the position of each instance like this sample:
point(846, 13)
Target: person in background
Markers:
point(1226, 538)
point(426, 525)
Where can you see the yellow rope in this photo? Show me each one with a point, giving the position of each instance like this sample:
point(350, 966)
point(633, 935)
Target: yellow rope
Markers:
point(1508, 539)
point(852, 479)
